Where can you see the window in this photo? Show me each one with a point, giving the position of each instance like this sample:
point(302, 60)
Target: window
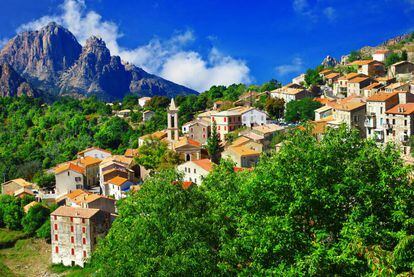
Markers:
point(83, 220)
point(195, 171)
point(56, 237)
point(218, 128)
point(405, 122)
point(71, 229)
point(83, 229)
point(84, 253)
point(393, 121)
point(188, 158)
point(55, 217)
point(204, 135)
point(83, 240)
point(56, 249)
point(78, 179)
point(225, 128)
point(225, 119)
point(204, 129)
point(72, 251)
point(195, 180)
point(72, 240)
point(55, 226)
point(71, 219)
point(68, 173)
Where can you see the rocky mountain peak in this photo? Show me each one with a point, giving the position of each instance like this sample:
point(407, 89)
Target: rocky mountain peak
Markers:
point(329, 62)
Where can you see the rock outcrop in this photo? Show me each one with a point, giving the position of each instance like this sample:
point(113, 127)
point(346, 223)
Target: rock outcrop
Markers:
point(52, 61)
point(12, 84)
point(329, 62)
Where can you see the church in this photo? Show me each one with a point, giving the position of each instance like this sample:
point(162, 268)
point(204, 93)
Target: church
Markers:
point(188, 148)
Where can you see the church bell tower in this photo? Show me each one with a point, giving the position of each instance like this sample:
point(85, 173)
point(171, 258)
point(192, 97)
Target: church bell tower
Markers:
point(172, 112)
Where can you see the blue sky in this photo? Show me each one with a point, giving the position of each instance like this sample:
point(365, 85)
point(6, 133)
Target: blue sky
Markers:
point(200, 43)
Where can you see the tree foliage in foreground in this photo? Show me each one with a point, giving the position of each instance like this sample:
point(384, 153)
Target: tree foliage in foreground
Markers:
point(301, 110)
point(340, 206)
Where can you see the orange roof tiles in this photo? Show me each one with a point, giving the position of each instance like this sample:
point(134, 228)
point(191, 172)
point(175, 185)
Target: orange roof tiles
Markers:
point(76, 193)
point(404, 109)
point(88, 161)
point(131, 152)
point(382, 96)
point(69, 166)
point(332, 75)
point(205, 164)
point(358, 79)
point(93, 148)
point(75, 212)
point(118, 181)
point(349, 106)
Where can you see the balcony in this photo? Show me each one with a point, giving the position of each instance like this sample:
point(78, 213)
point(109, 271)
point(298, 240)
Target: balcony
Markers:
point(370, 122)
point(379, 135)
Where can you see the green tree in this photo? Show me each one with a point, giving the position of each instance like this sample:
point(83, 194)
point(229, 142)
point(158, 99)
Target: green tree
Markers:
point(35, 218)
point(213, 144)
point(312, 77)
point(155, 155)
point(271, 85)
point(275, 107)
point(44, 231)
point(354, 56)
point(167, 233)
point(301, 110)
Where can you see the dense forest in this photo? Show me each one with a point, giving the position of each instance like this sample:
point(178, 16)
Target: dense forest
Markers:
point(339, 207)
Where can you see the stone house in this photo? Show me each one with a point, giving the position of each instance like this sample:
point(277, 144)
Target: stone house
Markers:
point(400, 125)
point(369, 67)
point(290, 92)
point(69, 177)
point(198, 130)
point(147, 115)
point(355, 85)
point(143, 100)
point(381, 55)
point(13, 186)
point(74, 234)
point(95, 152)
point(351, 113)
point(118, 187)
point(401, 71)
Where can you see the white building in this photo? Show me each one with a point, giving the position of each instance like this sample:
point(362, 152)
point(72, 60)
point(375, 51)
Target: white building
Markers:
point(143, 100)
point(69, 177)
point(299, 79)
point(94, 152)
point(380, 55)
point(195, 171)
point(118, 187)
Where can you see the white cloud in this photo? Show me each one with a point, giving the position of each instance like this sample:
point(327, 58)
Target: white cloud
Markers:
point(300, 6)
point(330, 13)
point(167, 58)
point(295, 66)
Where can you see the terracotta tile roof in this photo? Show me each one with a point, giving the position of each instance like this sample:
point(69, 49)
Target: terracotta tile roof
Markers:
point(131, 152)
point(157, 135)
point(358, 79)
point(382, 96)
point(93, 148)
point(372, 86)
point(362, 62)
point(268, 128)
point(75, 212)
point(118, 181)
point(325, 71)
point(349, 106)
point(382, 51)
point(22, 191)
point(88, 161)
point(205, 164)
point(186, 141)
point(243, 151)
point(28, 206)
point(394, 86)
point(349, 76)
point(240, 141)
point(404, 109)
point(118, 159)
point(69, 166)
point(22, 182)
point(76, 193)
point(332, 75)
point(187, 184)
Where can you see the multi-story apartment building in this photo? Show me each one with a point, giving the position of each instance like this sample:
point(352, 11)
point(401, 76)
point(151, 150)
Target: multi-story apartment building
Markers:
point(290, 92)
point(74, 233)
point(369, 67)
point(375, 120)
point(355, 85)
point(400, 125)
point(198, 130)
point(340, 87)
point(351, 113)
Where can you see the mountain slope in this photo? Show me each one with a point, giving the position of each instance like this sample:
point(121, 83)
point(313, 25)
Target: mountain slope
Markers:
point(12, 84)
point(52, 61)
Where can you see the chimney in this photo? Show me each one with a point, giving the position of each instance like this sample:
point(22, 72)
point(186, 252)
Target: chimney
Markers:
point(402, 97)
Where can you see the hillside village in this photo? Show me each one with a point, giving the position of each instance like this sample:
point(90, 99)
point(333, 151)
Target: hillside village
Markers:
point(369, 94)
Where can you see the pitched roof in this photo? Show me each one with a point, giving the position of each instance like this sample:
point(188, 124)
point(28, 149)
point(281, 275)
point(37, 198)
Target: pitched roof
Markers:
point(349, 106)
point(394, 86)
point(131, 152)
point(243, 151)
point(69, 166)
point(358, 79)
point(362, 62)
point(76, 193)
point(88, 161)
point(349, 76)
point(205, 164)
point(93, 148)
point(118, 181)
point(23, 190)
point(27, 207)
point(373, 85)
point(186, 141)
point(240, 141)
point(382, 96)
point(157, 135)
point(75, 212)
point(118, 158)
point(382, 51)
point(268, 128)
point(332, 75)
point(187, 184)
point(404, 109)
point(326, 71)
point(21, 182)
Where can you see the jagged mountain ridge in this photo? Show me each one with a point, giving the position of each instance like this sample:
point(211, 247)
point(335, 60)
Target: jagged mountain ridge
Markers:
point(52, 61)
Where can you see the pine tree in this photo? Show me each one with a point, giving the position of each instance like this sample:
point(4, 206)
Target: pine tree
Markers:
point(213, 144)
